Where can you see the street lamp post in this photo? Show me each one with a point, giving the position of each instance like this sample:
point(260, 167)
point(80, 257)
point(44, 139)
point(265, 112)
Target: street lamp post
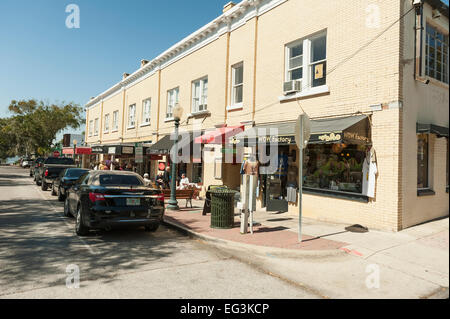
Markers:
point(74, 149)
point(173, 203)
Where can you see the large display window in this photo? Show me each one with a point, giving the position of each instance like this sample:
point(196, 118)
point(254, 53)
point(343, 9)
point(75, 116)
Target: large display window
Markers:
point(334, 167)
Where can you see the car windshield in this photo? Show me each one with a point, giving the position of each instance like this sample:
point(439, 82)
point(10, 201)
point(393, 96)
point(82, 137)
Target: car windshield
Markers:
point(59, 160)
point(126, 180)
point(75, 172)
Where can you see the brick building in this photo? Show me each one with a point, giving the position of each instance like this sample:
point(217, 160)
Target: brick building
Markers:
point(371, 75)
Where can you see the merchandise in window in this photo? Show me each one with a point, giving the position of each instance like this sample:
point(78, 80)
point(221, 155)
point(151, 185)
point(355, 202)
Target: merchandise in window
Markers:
point(336, 167)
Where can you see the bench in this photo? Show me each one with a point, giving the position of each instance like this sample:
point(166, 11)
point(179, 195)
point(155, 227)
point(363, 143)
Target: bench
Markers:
point(186, 194)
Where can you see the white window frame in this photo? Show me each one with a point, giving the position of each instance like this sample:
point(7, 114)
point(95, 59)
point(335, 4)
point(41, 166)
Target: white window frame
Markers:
point(307, 64)
point(132, 116)
point(234, 85)
point(288, 58)
point(106, 128)
point(146, 115)
point(91, 128)
point(96, 127)
point(173, 97)
point(200, 103)
point(115, 122)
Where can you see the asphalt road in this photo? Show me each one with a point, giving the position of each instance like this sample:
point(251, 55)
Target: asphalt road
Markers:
point(38, 246)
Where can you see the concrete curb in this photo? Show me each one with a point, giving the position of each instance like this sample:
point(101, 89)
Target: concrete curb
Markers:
point(259, 250)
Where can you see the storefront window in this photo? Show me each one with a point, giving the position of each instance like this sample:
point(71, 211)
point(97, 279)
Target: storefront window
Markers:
point(336, 167)
point(422, 161)
point(197, 173)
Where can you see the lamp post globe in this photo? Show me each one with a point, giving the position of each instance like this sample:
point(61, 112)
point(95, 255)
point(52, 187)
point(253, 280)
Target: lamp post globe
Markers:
point(173, 203)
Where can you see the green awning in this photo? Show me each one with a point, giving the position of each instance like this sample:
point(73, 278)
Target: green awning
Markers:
point(349, 130)
point(440, 131)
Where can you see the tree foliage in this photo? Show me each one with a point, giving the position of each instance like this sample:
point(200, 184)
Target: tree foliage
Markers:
point(34, 125)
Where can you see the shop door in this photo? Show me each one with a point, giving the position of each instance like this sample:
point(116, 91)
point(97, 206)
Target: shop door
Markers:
point(276, 191)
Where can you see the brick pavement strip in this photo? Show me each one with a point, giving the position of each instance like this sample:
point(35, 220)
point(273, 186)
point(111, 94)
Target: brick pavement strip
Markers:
point(263, 235)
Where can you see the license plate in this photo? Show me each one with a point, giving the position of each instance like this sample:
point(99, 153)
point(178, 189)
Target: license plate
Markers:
point(133, 202)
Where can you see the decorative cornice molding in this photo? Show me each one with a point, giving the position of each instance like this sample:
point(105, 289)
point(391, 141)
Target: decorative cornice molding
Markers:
point(227, 22)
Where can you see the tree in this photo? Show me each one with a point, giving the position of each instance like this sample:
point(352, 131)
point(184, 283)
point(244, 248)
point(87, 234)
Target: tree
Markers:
point(34, 125)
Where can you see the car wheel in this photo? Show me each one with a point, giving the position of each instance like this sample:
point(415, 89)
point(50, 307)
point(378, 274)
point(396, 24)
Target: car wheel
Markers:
point(67, 208)
point(60, 196)
point(152, 227)
point(44, 186)
point(53, 190)
point(80, 228)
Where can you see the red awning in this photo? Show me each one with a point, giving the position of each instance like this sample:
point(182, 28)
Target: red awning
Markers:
point(78, 151)
point(83, 150)
point(67, 151)
point(220, 135)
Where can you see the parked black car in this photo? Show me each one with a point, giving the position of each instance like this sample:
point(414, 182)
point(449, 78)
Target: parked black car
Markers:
point(65, 180)
point(50, 169)
point(35, 165)
point(107, 199)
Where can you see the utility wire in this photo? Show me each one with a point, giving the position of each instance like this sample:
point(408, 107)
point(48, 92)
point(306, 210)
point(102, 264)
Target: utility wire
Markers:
point(339, 64)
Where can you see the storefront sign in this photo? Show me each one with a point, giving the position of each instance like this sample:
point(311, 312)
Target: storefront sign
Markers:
point(161, 166)
point(127, 149)
point(112, 150)
point(330, 137)
point(139, 154)
point(356, 137)
point(97, 150)
point(281, 140)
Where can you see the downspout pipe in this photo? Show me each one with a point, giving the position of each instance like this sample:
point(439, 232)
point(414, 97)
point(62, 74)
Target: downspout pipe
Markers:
point(418, 29)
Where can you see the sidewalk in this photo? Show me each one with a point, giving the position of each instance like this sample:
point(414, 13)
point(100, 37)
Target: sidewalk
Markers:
point(413, 263)
point(280, 231)
point(268, 231)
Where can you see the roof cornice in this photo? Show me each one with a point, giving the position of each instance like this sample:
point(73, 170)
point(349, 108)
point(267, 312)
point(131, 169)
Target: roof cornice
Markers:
point(211, 30)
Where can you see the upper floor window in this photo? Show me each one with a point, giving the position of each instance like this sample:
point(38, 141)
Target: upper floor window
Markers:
point(106, 128)
point(200, 95)
point(146, 104)
point(436, 55)
point(306, 61)
point(91, 127)
point(237, 84)
point(115, 121)
point(132, 116)
point(96, 127)
point(295, 62)
point(172, 99)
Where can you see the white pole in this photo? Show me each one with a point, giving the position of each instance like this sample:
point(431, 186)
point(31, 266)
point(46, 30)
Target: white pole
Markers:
point(300, 181)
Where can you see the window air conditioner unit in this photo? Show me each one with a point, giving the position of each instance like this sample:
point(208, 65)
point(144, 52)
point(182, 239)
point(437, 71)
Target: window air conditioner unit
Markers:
point(292, 87)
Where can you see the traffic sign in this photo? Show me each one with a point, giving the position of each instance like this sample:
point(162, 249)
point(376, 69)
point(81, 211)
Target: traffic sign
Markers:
point(56, 154)
point(303, 125)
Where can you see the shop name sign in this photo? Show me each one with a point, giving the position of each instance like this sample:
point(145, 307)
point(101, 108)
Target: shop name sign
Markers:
point(330, 137)
point(356, 136)
point(127, 149)
point(277, 139)
point(97, 149)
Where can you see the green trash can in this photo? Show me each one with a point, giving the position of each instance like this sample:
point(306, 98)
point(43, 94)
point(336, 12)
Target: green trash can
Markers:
point(222, 208)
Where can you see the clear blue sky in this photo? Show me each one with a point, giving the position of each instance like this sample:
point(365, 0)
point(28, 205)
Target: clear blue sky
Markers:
point(41, 58)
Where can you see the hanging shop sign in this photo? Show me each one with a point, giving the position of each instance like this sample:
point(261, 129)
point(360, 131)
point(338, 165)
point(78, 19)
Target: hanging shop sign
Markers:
point(128, 150)
point(139, 156)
